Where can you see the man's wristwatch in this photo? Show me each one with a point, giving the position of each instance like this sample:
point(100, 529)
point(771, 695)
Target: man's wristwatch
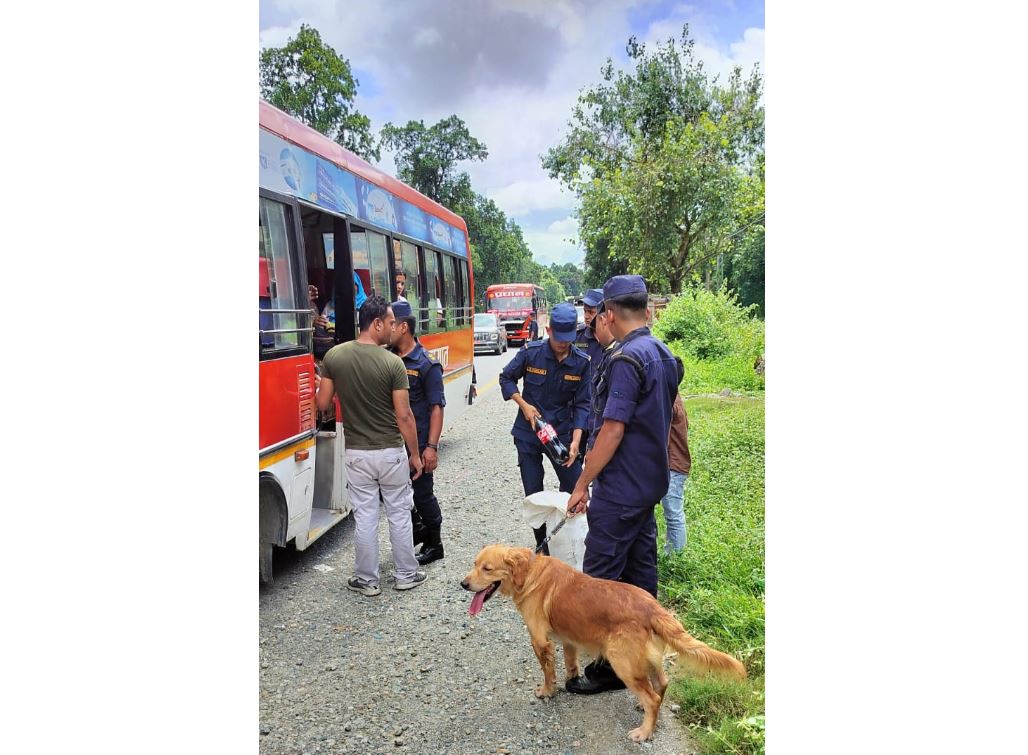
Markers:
point(432, 446)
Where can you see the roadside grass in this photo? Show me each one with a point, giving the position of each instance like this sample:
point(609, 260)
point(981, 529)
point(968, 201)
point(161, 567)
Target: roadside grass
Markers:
point(716, 584)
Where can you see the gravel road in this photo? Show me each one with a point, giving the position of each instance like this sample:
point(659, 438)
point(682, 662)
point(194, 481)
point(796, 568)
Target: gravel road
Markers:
point(412, 671)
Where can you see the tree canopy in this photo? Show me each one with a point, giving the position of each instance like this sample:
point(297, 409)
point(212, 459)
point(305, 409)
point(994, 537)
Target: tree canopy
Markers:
point(310, 81)
point(426, 158)
point(663, 159)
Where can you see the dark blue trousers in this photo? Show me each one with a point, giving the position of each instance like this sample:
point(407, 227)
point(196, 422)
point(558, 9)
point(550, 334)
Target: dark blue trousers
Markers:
point(622, 544)
point(425, 503)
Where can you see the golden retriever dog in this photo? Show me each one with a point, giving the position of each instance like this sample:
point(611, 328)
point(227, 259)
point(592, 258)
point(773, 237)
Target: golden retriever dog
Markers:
point(621, 622)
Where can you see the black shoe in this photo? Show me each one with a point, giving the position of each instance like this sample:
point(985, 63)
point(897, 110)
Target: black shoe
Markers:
point(583, 685)
point(430, 553)
point(432, 550)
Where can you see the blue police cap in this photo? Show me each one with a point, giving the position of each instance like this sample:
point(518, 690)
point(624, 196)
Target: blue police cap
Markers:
point(563, 320)
point(593, 297)
point(623, 285)
point(401, 309)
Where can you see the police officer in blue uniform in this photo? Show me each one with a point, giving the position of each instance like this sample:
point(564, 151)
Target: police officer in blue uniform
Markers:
point(607, 343)
point(628, 463)
point(556, 387)
point(427, 399)
point(585, 339)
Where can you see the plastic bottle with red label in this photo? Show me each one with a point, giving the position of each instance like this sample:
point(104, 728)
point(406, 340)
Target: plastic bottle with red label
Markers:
point(553, 445)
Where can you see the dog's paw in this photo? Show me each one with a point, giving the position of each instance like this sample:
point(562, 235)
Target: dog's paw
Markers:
point(543, 691)
point(640, 735)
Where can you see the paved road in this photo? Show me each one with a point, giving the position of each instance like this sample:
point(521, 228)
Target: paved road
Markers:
point(488, 366)
point(412, 672)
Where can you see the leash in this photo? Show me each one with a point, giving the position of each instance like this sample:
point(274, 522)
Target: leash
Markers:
point(555, 531)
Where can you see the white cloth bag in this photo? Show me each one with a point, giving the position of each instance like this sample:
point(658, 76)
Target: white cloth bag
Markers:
point(548, 507)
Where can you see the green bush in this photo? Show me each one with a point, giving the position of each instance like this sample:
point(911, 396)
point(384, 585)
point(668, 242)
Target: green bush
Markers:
point(718, 340)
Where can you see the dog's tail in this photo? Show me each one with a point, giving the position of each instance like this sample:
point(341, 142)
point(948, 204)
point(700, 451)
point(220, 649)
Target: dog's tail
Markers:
point(693, 653)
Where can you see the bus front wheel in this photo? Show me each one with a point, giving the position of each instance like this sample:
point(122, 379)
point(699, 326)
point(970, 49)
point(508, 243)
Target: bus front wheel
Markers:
point(266, 576)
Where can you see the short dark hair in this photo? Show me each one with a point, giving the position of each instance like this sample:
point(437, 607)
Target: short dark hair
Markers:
point(634, 303)
point(411, 323)
point(374, 308)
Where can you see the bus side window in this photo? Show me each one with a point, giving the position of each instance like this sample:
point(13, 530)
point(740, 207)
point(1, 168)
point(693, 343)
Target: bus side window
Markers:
point(283, 307)
point(405, 257)
point(452, 304)
point(434, 293)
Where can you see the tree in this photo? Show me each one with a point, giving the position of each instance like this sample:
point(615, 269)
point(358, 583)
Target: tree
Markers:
point(656, 157)
point(499, 251)
point(743, 267)
point(570, 277)
point(426, 158)
point(555, 291)
point(309, 80)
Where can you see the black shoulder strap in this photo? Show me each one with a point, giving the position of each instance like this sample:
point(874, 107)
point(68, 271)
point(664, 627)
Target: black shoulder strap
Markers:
point(620, 356)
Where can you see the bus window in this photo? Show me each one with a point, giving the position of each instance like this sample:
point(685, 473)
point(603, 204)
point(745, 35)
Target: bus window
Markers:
point(282, 323)
point(456, 289)
point(452, 303)
point(370, 261)
point(379, 255)
point(405, 258)
point(433, 312)
point(466, 298)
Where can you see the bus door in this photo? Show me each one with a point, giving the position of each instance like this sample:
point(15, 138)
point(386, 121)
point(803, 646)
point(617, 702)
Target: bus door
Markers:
point(328, 256)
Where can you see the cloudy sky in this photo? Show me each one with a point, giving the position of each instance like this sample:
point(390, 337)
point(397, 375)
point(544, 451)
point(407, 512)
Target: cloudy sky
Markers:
point(512, 69)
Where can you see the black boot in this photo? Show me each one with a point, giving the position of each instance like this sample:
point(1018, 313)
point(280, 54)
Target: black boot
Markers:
point(599, 676)
point(433, 548)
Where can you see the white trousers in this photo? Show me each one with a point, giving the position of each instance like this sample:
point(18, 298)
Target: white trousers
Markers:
point(367, 474)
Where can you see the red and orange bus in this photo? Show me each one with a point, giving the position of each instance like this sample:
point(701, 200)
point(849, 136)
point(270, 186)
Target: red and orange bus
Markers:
point(329, 219)
point(512, 302)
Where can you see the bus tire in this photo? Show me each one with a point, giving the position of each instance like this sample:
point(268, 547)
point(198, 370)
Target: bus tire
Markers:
point(272, 523)
point(267, 577)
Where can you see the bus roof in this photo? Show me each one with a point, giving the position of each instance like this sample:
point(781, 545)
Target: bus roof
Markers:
point(292, 130)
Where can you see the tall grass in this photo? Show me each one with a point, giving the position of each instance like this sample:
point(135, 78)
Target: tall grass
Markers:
point(716, 584)
point(717, 339)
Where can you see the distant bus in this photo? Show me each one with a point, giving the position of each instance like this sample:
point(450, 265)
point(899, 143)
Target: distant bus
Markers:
point(512, 302)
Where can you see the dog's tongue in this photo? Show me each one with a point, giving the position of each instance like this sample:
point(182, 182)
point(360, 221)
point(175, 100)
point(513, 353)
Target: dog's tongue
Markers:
point(477, 602)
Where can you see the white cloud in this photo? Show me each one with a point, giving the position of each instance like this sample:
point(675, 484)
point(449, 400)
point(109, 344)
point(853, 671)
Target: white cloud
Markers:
point(567, 226)
point(427, 37)
point(548, 247)
point(522, 197)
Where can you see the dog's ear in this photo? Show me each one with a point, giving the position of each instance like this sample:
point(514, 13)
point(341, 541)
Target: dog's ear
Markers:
point(517, 566)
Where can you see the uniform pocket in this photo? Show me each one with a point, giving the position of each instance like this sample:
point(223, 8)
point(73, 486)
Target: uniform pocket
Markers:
point(534, 379)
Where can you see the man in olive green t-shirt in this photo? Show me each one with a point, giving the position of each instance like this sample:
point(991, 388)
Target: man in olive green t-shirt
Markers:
point(372, 387)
